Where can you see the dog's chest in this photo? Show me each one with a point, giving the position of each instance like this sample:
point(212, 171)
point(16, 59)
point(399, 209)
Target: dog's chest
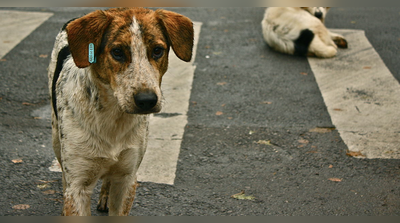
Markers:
point(89, 114)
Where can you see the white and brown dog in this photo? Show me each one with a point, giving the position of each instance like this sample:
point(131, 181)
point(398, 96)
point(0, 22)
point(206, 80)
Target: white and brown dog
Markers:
point(104, 79)
point(300, 31)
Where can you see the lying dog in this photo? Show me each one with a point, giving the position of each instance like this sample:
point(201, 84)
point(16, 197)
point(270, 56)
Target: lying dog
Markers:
point(104, 79)
point(300, 31)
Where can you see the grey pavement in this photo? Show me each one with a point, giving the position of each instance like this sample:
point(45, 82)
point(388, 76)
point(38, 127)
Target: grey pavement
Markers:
point(257, 123)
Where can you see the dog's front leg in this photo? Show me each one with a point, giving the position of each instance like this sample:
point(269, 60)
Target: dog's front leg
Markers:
point(122, 194)
point(122, 177)
point(76, 204)
point(79, 181)
point(102, 205)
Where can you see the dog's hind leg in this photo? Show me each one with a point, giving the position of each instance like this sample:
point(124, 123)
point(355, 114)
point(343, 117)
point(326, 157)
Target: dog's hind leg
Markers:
point(320, 49)
point(302, 43)
point(339, 40)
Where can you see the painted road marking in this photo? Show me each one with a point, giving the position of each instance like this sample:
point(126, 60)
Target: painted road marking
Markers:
point(15, 26)
point(362, 97)
point(167, 128)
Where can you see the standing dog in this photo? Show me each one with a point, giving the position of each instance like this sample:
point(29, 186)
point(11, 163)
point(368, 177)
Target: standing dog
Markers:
point(300, 31)
point(104, 79)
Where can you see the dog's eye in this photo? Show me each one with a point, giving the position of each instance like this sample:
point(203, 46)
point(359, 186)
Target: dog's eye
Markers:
point(157, 53)
point(118, 54)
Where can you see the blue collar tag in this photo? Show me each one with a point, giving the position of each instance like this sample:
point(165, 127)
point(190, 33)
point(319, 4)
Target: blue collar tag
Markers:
point(92, 58)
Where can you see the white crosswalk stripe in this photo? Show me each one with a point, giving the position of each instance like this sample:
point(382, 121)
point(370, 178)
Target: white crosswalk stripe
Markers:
point(362, 97)
point(167, 128)
point(15, 26)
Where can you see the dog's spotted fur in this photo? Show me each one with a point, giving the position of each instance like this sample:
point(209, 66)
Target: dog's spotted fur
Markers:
point(300, 31)
point(100, 110)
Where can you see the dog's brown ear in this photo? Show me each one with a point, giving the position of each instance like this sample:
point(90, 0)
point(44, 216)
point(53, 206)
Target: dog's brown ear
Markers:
point(180, 33)
point(83, 31)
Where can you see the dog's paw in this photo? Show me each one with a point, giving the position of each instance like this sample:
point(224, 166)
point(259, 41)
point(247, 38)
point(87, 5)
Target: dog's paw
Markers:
point(102, 205)
point(311, 54)
point(340, 42)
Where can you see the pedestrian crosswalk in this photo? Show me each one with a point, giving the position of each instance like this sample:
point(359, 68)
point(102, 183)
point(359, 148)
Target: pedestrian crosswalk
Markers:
point(359, 91)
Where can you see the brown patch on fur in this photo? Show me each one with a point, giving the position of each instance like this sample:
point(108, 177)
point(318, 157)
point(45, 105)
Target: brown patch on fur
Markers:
point(117, 35)
point(83, 31)
point(127, 205)
point(111, 29)
point(153, 36)
point(180, 32)
point(69, 207)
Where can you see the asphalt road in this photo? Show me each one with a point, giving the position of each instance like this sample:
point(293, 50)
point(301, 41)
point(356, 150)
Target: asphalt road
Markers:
point(249, 120)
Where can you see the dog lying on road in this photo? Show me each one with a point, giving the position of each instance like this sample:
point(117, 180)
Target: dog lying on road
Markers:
point(104, 79)
point(300, 31)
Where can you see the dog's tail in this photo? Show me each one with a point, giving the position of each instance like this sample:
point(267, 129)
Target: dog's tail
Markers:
point(302, 43)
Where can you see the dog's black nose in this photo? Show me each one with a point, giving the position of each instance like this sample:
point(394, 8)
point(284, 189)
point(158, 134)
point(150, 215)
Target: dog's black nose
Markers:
point(146, 101)
point(318, 15)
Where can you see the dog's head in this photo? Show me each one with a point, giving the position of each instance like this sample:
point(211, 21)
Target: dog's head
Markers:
point(130, 48)
point(319, 12)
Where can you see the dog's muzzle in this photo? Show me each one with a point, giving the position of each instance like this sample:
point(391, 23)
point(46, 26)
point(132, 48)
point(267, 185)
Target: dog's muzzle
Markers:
point(146, 102)
point(318, 15)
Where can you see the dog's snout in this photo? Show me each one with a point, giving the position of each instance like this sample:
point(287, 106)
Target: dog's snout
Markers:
point(146, 101)
point(318, 14)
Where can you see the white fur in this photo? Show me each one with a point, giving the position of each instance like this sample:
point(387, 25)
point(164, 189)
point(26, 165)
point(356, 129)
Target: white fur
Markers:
point(281, 26)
